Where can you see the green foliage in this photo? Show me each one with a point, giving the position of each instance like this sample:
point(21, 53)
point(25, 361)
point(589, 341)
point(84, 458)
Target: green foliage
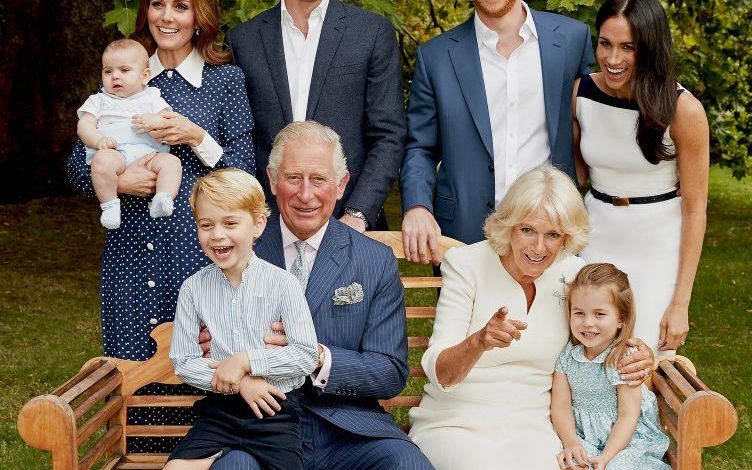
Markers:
point(123, 15)
point(711, 40)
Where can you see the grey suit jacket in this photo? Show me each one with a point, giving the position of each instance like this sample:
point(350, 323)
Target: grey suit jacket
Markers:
point(356, 89)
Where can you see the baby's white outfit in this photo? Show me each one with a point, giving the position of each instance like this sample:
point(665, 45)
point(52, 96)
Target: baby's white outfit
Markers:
point(114, 114)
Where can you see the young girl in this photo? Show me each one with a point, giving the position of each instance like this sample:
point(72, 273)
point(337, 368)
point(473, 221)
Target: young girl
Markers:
point(600, 420)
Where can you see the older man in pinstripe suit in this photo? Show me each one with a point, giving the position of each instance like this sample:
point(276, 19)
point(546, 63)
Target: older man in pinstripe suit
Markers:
point(356, 299)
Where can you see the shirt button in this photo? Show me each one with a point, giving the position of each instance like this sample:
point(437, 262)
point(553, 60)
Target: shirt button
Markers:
point(151, 283)
point(169, 74)
point(153, 321)
point(234, 301)
point(150, 247)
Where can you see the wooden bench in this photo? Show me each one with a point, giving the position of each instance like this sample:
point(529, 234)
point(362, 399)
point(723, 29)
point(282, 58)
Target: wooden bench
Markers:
point(83, 422)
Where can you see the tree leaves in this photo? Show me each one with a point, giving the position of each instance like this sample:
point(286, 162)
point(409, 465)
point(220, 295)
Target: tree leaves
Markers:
point(123, 15)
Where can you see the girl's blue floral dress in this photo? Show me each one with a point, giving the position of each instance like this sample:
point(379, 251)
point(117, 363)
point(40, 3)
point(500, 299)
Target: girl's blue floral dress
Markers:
point(594, 405)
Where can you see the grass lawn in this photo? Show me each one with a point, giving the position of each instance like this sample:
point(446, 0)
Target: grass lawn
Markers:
point(49, 274)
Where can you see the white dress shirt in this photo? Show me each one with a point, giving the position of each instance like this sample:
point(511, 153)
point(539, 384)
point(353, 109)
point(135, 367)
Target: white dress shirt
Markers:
point(300, 55)
point(291, 253)
point(516, 108)
point(192, 69)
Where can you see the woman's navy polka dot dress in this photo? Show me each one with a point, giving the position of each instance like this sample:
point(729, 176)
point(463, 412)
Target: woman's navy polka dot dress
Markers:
point(146, 260)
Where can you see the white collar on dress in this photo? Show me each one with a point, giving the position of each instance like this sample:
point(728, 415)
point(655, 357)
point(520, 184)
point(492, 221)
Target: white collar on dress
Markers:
point(578, 354)
point(192, 67)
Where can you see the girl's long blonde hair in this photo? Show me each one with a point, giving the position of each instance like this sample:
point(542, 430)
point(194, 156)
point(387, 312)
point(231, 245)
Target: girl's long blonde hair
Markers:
point(608, 276)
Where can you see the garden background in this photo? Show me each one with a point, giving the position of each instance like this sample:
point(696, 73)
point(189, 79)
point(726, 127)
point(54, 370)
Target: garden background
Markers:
point(51, 241)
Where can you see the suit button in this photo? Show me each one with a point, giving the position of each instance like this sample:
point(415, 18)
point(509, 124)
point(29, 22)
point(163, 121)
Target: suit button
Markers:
point(490, 205)
point(491, 168)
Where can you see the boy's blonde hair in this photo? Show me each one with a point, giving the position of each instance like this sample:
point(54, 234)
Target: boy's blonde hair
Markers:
point(608, 276)
point(122, 44)
point(230, 189)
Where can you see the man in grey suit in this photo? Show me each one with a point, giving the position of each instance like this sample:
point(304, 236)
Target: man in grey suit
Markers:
point(490, 100)
point(355, 295)
point(336, 64)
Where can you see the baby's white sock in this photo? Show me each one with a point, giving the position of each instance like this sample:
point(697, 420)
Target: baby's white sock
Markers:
point(161, 205)
point(110, 214)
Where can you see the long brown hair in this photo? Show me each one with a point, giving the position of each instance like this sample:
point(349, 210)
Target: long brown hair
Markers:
point(608, 276)
point(207, 42)
point(653, 85)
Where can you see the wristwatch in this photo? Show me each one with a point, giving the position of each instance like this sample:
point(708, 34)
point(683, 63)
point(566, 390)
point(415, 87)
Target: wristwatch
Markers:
point(357, 214)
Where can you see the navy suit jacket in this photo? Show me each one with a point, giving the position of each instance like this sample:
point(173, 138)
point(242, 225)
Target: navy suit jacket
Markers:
point(356, 89)
point(367, 340)
point(448, 121)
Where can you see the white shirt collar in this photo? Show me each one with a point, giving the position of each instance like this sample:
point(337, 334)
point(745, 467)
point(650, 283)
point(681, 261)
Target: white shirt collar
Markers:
point(318, 13)
point(314, 241)
point(192, 67)
point(485, 35)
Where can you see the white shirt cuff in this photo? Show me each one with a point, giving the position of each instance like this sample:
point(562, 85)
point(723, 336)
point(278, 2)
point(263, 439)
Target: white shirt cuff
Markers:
point(208, 151)
point(321, 378)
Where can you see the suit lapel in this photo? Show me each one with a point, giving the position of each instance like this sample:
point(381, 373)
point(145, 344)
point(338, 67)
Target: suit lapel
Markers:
point(466, 63)
point(269, 245)
point(330, 260)
point(331, 34)
point(552, 46)
point(271, 36)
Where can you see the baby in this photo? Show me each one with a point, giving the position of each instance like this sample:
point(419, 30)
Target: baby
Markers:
point(105, 128)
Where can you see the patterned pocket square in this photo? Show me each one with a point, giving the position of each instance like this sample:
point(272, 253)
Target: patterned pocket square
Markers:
point(348, 295)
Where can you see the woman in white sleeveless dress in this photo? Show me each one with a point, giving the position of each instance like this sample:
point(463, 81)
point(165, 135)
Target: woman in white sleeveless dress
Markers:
point(639, 137)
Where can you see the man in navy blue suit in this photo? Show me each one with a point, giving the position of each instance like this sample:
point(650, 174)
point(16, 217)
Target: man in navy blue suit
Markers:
point(357, 303)
point(490, 100)
point(336, 64)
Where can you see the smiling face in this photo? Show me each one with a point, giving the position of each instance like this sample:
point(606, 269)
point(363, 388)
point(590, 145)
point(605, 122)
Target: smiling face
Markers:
point(617, 56)
point(124, 71)
point(593, 318)
point(226, 236)
point(172, 25)
point(533, 246)
point(306, 187)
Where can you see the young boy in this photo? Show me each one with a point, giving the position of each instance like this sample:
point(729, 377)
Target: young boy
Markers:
point(238, 297)
point(105, 128)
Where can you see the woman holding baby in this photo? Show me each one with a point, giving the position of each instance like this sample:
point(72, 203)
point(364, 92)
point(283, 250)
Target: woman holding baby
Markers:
point(146, 259)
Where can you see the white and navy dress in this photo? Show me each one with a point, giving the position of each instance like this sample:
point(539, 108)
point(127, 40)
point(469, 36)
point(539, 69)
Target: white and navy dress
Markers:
point(640, 239)
point(146, 260)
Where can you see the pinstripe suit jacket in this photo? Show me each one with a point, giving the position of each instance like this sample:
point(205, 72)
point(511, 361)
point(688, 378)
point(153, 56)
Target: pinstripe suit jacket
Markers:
point(367, 340)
